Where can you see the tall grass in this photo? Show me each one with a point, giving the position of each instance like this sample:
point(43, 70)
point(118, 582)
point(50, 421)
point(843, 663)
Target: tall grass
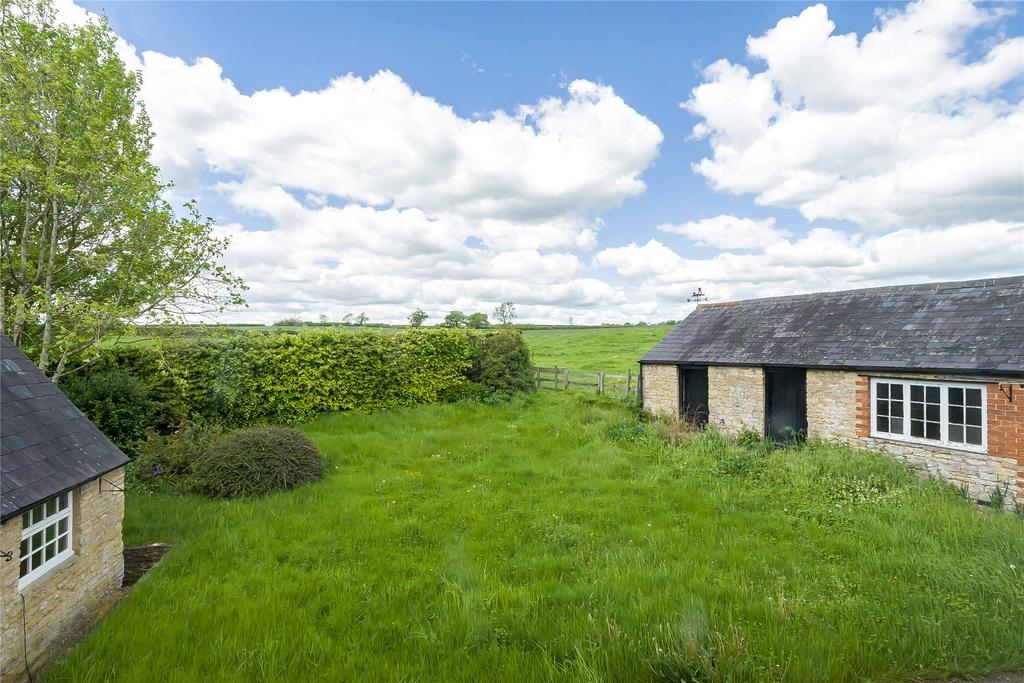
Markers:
point(560, 538)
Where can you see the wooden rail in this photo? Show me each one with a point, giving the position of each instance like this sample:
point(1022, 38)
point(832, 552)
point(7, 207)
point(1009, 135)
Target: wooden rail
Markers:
point(623, 387)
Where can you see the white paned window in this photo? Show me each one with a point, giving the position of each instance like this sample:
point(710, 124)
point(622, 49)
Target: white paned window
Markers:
point(45, 537)
point(935, 413)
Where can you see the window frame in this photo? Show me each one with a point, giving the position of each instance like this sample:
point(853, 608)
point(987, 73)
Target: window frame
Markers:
point(41, 526)
point(944, 387)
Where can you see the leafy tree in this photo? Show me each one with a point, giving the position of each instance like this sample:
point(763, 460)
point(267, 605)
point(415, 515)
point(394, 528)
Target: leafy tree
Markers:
point(289, 322)
point(455, 319)
point(323, 319)
point(346, 319)
point(477, 321)
point(505, 314)
point(89, 244)
point(417, 317)
point(361, 319)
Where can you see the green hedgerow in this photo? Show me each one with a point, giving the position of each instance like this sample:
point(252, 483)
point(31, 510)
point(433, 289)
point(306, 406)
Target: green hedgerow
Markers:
point(117, 403)
point(501, 363)
point(257, 461)
point(145, 363)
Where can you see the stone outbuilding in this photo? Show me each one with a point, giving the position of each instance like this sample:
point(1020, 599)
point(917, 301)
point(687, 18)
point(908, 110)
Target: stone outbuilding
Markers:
point(61, 508)
point(931, 373)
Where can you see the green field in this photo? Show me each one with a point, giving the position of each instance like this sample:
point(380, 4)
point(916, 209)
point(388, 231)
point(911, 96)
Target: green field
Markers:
point(559, 538)
point(612, 349)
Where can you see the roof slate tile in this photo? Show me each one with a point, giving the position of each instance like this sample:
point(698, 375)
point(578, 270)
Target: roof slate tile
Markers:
point(975, 325)
point(46, 445)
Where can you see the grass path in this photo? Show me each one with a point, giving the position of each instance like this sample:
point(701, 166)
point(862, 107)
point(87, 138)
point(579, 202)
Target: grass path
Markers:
point(557, 539)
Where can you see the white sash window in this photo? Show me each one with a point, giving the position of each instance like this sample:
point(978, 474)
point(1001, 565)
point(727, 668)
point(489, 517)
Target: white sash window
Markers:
point(45, 537)
point(946, 414)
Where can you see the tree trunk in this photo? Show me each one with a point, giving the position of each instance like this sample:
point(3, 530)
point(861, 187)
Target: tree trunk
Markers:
point(44, 353)
point(20, 314)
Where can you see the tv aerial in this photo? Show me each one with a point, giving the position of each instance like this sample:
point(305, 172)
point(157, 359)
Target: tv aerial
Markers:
point(698, 296)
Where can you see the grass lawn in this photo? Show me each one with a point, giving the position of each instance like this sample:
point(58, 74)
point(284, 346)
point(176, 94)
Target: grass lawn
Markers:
point(612, 349)
point(559, 539)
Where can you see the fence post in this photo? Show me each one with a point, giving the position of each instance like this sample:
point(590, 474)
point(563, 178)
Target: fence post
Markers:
point(567, 379)
point(629, 381)
point(600, 383)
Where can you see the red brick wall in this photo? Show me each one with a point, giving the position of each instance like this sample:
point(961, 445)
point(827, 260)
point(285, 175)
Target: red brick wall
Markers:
point(863, 406)
point(1006, 424)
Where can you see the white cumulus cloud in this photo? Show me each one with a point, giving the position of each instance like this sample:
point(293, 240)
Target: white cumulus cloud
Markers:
point(729, 232)
point(902, 127)
point(903, 149)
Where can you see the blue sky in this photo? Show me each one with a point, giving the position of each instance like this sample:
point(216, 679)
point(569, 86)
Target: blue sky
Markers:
point(479, 58)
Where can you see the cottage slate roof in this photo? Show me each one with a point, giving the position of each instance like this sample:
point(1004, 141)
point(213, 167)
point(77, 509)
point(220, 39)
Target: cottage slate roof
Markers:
point(975, 326)
point(47, 446)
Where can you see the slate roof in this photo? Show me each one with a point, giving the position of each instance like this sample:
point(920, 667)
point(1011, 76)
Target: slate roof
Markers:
point(976, 326)
point(47, 446)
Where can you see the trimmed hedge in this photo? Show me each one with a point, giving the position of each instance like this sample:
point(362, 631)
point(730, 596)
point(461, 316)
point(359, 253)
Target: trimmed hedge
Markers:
point(258, 378)
point(289, 378)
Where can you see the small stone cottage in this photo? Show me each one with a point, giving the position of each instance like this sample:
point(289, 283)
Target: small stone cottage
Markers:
point(61, 507)
point(932, 373)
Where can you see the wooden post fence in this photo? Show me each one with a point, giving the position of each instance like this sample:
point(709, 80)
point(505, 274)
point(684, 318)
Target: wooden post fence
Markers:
point(620, 386)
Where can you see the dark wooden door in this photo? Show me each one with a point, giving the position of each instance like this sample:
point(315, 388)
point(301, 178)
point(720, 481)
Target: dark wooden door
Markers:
point(693, 395)
point(785, 408)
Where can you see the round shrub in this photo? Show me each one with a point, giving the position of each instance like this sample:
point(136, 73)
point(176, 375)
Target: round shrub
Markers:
point(257, 461)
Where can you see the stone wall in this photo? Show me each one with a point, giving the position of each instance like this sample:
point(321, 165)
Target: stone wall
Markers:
point(661, 389)
point(69, 594)
point(831, 404)
point(736, 399)
point(839, 407)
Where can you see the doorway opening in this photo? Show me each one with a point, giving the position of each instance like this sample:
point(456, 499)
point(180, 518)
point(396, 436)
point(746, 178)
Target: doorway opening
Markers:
point(785, 405)
point(693, 395)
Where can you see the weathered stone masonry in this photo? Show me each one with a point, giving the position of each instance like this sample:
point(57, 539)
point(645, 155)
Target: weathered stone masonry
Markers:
point(661, 389)
point(736, 399)
point(839, 407)
point(735, 395)
point(69, 593)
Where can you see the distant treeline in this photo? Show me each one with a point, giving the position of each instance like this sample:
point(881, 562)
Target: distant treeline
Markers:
point(292, 326)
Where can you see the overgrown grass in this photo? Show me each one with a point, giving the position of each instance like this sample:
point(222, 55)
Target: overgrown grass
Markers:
point(612, 349)
point(559, 538)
